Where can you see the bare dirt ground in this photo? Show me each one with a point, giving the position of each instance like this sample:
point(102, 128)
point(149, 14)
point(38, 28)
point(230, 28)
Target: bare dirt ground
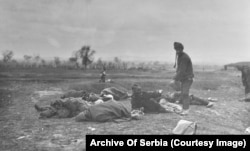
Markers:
point(20, 128)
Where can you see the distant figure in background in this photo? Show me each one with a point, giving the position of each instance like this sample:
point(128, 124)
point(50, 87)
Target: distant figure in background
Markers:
point(103, 75)
point(245, 75)
point(184, 75)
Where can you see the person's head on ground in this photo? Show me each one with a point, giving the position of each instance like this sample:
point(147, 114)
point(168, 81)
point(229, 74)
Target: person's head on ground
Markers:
point(136, 89)
point(178, 47)
point(103, 93)
point(93, 97)
point(49, 112)
point(57, 104)
point(81, 116)
point(85, 96)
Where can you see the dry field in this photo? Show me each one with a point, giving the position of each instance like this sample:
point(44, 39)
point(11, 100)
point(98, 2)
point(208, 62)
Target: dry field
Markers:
point(20, 128)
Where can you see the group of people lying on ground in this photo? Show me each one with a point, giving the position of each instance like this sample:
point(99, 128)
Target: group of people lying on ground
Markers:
point(105, 106)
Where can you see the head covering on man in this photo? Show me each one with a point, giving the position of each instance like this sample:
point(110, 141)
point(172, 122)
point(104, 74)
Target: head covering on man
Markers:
point(178, 46)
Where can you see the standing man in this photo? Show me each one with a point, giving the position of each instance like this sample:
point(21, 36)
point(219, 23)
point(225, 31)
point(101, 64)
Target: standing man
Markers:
point(184, 75)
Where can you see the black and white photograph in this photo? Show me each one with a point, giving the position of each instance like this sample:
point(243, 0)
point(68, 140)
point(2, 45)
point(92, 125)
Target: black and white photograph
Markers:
point(71, 68)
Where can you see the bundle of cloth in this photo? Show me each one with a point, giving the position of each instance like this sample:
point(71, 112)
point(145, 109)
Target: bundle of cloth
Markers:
point(108, 111)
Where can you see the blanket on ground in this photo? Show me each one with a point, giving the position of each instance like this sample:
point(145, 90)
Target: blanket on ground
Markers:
point(107, 111)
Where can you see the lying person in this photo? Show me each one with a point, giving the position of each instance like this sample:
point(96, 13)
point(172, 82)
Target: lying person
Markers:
point(104, 112)
point(154, 101)
point(90, 97)
point(104, 94)
point(95, 98)
point(146, 99)
point(175, 97)
point(116, 93)
point(63, 108)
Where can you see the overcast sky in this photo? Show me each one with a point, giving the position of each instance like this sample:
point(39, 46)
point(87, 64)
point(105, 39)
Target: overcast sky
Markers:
point(212, 31)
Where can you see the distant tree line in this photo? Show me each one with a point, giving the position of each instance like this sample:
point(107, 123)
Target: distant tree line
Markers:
point(80, 59)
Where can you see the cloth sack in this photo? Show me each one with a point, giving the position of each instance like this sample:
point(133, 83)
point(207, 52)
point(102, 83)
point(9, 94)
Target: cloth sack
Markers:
point(185, 127)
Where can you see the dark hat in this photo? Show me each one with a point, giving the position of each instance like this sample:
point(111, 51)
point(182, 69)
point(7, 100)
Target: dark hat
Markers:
point(178, 45)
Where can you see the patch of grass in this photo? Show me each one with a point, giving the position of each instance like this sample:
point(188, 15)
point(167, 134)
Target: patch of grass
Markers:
point(206, 85)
